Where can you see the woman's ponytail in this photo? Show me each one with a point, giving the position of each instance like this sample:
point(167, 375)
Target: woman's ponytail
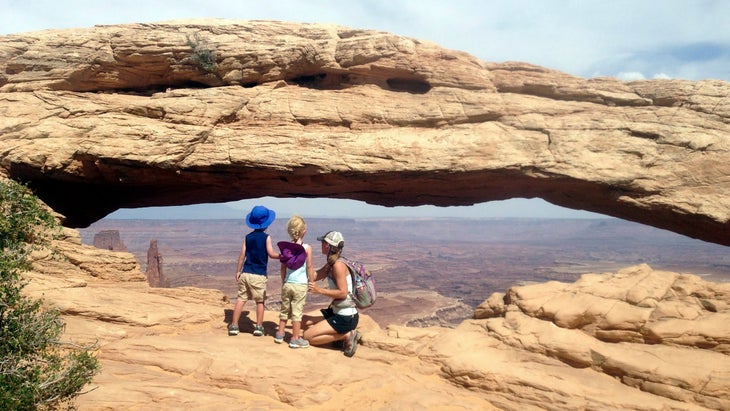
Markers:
point(333, 255)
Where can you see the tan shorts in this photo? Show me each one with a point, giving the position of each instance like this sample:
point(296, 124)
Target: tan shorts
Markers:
point(293, 297)
point(252, 287)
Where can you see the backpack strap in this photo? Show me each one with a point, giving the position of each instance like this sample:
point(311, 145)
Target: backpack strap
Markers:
point(351, 292)
point(350, 269)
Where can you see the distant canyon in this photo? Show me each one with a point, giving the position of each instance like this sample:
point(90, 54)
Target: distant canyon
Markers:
point(430, 271)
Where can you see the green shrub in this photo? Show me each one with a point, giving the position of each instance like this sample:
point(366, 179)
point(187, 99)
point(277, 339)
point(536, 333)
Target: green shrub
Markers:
point(201, 55)
point(37, 369)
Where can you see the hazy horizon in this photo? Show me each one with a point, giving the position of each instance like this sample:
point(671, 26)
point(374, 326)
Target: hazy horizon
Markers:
point(335, 208)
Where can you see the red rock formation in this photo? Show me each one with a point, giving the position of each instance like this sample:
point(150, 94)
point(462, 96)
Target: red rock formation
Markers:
point(109, 240)
point(155, 277)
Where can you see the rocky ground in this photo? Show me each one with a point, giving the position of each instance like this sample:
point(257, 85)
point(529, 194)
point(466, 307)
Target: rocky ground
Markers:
point(636, 339)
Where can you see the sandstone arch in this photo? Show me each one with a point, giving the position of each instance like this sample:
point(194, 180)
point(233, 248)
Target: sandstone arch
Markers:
point(214, 110)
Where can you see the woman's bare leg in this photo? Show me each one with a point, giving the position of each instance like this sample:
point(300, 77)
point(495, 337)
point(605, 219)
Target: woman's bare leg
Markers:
point(322, 333)
point(311, 318)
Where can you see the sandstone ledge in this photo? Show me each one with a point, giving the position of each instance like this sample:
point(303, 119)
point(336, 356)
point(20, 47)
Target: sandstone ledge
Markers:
point(542, 348)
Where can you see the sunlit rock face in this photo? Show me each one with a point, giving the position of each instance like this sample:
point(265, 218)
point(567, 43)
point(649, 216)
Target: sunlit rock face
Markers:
point(203, 111)
point(216, 110)
point(637, 339)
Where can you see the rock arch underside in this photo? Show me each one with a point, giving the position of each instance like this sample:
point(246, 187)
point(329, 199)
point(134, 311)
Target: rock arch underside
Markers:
point(198, 111)
point(210, 111)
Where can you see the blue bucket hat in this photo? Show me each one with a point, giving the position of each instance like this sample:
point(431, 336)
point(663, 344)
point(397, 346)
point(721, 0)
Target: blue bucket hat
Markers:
point(260, 217)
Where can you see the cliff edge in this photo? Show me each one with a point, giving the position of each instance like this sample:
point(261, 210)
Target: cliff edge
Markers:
point(638, 339)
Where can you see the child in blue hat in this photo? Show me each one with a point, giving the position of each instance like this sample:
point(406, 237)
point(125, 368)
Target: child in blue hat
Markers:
point(251, 274)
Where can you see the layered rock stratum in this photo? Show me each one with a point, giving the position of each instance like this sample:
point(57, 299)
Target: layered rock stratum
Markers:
point(212, 110)
point(208, 111)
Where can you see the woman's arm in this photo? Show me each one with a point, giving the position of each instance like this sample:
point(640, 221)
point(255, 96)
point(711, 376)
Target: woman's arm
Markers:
point(340, 272)
point(321, 274)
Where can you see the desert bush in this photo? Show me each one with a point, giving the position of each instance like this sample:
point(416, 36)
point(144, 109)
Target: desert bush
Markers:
point(202, 55)
point(37, 369)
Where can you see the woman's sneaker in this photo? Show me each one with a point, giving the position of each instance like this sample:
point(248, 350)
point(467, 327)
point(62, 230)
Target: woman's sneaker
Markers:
point(232, 329)
point(298, 343)
point(258, 330)
point(352, 341)
point(279, 338)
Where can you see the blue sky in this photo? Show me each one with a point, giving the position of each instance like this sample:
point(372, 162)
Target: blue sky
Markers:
point(627, 39)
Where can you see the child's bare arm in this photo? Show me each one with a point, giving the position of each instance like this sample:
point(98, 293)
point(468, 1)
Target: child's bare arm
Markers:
point(241, 258)
point(270, 249)
point(311, 274)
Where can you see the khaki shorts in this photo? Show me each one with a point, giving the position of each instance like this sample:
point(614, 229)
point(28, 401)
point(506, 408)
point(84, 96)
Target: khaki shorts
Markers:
point(293, 297)
point(252, 287)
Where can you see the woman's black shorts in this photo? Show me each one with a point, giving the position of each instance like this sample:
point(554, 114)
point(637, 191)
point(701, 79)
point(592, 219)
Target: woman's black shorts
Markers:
point(340, 323)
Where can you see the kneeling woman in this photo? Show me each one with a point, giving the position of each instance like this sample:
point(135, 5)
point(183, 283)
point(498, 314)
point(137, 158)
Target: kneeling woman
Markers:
point(338, 321)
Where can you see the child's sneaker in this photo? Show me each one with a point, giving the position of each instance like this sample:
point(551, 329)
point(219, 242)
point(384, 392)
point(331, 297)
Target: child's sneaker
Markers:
point(258, 330)
point(279, 338)
point(232, 329)
point(299, 343)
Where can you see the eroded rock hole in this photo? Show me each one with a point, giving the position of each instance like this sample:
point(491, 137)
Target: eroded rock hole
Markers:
point(409, 85)
point(322, 81)
point(311, 80)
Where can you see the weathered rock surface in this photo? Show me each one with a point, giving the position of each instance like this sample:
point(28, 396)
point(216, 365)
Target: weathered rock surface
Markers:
point(210, 111)
point(661, 332)
point(154, 271)
point(638, 339)
point(109, 240)
point(205, 111)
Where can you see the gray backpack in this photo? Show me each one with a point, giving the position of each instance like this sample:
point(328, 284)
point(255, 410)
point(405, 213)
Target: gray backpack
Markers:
point(363, 292)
